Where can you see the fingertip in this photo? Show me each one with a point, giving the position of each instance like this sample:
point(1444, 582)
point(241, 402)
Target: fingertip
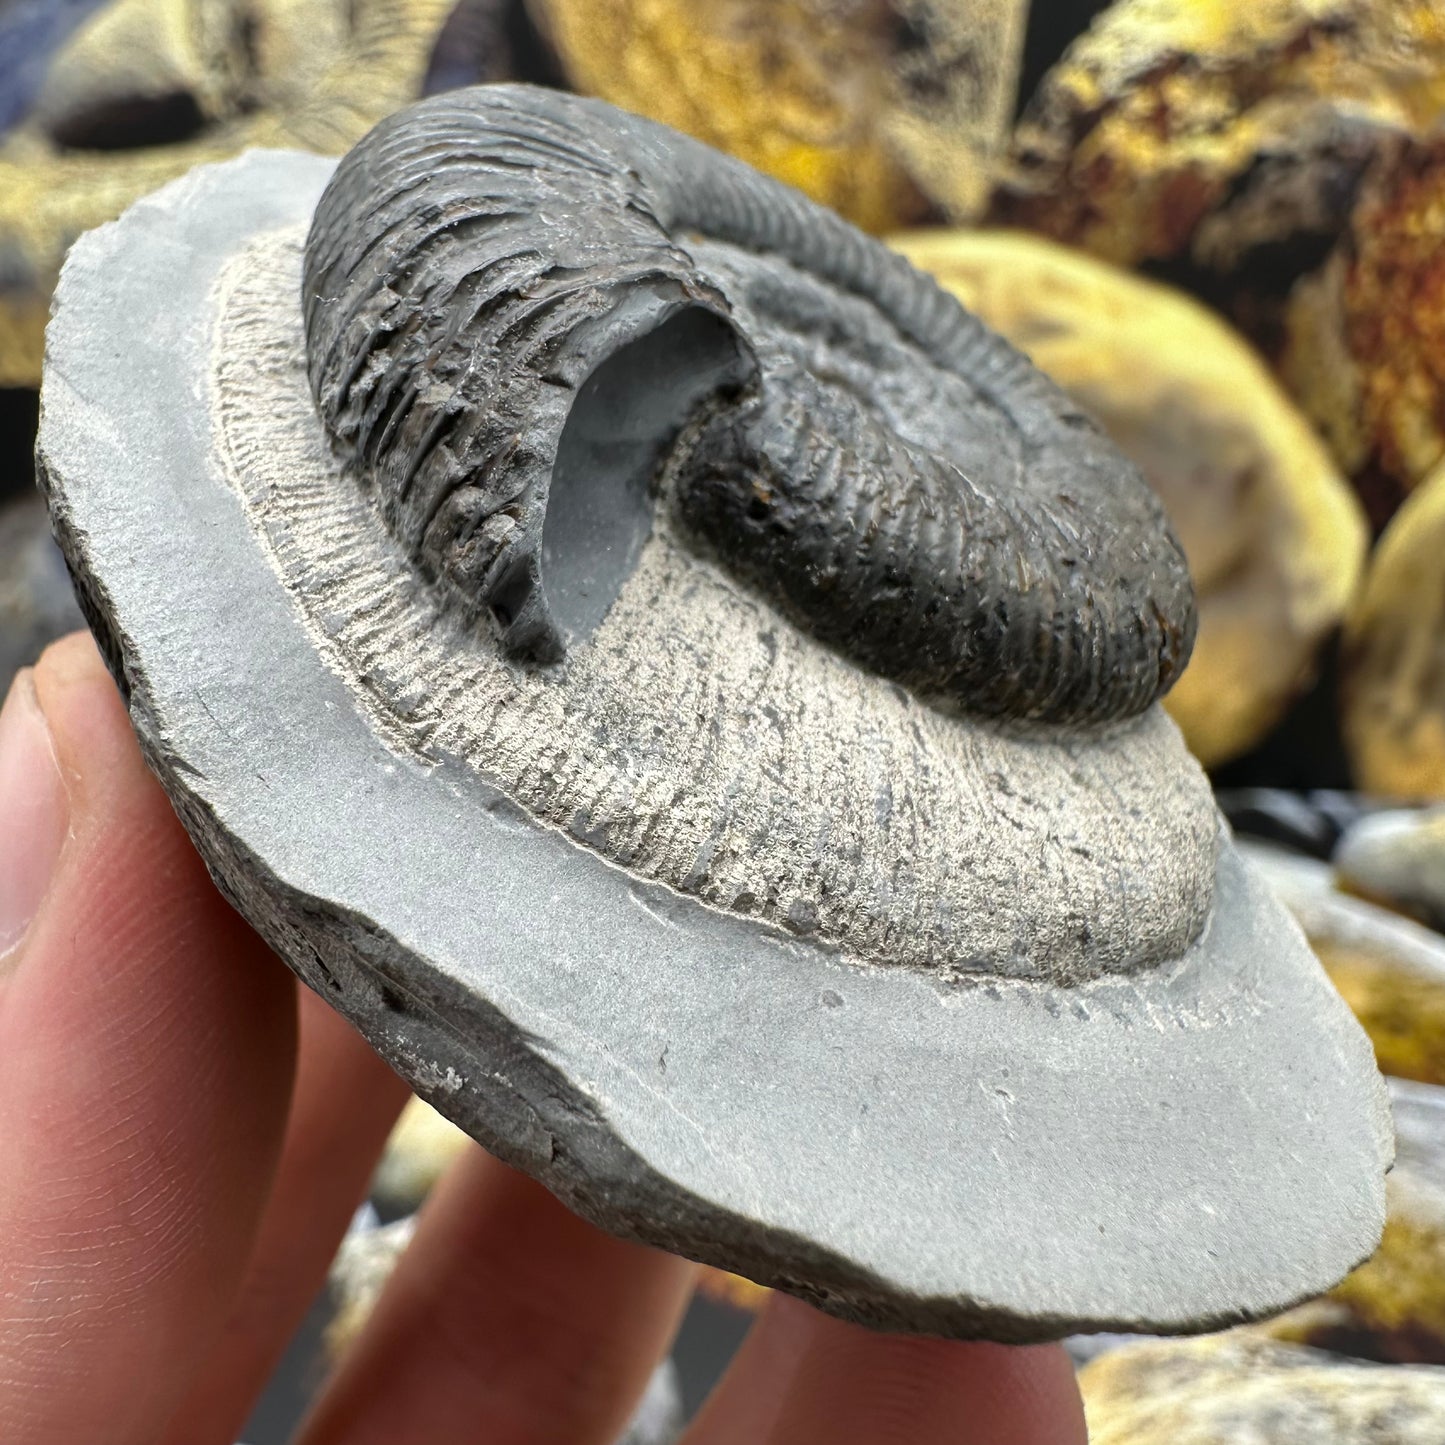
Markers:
point(74, 657)
point(824, 1381)
point(147, 1042)
point(87, 718)
point(71, 671)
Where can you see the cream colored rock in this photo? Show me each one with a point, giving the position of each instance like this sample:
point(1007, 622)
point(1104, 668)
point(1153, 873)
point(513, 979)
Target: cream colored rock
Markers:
point(1275, 538)
point(134, 56)
point(1393, 662)
point(366, 1260)
point(417, 1154)
point(1397, 858)
point(1235, 1389)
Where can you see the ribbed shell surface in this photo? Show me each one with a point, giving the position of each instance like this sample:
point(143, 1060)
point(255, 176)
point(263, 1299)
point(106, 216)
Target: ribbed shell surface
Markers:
point(481, 255)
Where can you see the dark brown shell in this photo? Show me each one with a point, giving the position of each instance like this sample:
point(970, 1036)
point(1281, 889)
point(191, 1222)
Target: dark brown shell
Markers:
point(529, 314)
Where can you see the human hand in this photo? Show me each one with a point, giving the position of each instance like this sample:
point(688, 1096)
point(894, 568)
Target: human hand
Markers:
point(185, 1135)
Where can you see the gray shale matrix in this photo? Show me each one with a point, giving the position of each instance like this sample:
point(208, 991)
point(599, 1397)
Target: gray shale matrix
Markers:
point(688, 692)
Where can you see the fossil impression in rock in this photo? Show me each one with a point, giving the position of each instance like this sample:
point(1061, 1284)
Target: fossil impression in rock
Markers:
point(688, 692)
point(1274, 536)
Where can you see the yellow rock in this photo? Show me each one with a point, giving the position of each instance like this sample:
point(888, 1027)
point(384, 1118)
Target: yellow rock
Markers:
point(1210, 130)
point(320, 74)
point(418, 1152)
point(131, 57)
point(1238, 1389)
point(1274, 536)
point(1389, 970)
point(1393, 660)
point(1364, 338)
point(731, 1289)
point(874, 107)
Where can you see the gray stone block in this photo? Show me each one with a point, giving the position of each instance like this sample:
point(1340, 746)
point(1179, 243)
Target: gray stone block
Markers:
point(945, 1024)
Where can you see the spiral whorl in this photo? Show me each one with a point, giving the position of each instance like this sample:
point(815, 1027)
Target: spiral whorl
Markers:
point(516, 298)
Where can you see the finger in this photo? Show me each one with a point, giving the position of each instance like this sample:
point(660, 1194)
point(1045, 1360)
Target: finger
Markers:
point(508, 1320)
point(813, 1380)
point(747, 1400)
point(146, 1049)
point(344, 1104)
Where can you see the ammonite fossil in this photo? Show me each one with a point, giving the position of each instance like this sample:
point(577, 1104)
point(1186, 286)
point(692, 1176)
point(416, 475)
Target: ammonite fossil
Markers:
point(687, 691)
point(972, 534)
point(1274, 535)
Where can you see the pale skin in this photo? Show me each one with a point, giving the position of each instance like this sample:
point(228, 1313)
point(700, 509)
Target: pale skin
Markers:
point(186, 1133)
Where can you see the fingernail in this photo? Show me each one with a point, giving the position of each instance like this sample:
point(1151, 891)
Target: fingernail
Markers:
point(34, 812)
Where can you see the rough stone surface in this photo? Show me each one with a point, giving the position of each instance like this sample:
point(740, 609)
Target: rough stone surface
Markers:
point(1363, 335)
point(36, 601)
point(1238, 1390)
point(1165, 1146)
point(1230, 134)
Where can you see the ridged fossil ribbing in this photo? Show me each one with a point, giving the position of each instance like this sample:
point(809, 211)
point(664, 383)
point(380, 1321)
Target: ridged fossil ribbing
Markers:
point(525, 311)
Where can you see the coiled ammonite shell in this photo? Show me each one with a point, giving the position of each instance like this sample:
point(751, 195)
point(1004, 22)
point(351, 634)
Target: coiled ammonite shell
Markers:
point(961, 526)
point(687, 692)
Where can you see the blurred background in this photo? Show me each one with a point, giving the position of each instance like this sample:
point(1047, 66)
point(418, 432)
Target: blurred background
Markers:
point(1217, 223)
